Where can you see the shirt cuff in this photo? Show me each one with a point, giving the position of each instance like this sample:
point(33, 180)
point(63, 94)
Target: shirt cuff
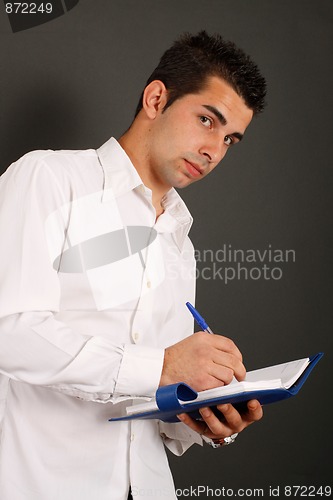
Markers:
point(178, 437)
point(140, 371)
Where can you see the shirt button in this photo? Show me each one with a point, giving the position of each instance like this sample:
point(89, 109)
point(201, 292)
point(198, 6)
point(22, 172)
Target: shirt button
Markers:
point(132, 437)
point(136, 336)
point(148, 284)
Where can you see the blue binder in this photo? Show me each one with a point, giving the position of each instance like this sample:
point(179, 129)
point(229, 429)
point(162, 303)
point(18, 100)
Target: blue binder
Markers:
point(180, 398)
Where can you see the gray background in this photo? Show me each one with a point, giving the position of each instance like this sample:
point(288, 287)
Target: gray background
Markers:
point(75, 81)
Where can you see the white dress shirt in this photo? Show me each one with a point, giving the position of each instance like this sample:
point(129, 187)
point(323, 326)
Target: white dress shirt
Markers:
point(93, 289)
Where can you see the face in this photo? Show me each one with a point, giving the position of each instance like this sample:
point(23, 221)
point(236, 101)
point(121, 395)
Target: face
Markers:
point(193, 135)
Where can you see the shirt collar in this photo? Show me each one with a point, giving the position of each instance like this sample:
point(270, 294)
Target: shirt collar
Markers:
point(176, 218)
point(120, 176)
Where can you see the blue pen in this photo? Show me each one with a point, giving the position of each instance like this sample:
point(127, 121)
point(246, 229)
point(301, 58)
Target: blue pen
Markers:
point(198, 318)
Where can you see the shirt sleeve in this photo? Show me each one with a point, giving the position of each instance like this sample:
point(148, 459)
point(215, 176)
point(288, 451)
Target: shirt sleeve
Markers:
point(178, 437)
point(34, 346)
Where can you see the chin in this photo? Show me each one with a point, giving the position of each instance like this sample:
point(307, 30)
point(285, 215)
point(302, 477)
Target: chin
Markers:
point(182, 181)
point(182, 184)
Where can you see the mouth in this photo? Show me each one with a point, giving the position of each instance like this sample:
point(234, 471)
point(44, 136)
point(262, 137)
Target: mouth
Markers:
point(193, 169)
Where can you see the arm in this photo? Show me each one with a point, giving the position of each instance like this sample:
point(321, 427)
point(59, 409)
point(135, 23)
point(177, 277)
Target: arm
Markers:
point(34, 346)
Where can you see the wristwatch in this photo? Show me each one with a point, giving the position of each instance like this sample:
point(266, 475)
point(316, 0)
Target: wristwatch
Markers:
point(217, 443)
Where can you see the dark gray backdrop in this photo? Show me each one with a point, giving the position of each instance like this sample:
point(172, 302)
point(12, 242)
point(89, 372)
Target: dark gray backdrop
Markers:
point(74, 81)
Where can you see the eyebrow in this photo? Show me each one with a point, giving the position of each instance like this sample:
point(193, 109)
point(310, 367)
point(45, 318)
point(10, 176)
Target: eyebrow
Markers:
point(222, 119)
point(217, 113)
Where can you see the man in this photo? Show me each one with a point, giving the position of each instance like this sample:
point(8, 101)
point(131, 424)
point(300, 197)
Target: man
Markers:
point(91, 312)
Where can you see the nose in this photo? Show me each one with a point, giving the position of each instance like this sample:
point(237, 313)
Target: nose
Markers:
point(214, 150)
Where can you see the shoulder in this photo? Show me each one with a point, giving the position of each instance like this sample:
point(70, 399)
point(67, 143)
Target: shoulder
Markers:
point(57, 159)
point(63, 167)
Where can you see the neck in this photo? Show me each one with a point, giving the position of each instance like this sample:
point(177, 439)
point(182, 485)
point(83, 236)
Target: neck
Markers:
point(135, 146)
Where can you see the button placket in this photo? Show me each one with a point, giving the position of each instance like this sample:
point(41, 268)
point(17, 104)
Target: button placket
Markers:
point(142, 318)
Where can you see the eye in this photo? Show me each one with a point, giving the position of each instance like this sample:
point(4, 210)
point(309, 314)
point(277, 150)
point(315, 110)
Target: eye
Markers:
point(228, 140)
point(207, 122)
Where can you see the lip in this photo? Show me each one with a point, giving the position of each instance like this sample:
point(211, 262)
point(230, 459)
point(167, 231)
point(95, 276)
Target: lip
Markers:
point(193, 169)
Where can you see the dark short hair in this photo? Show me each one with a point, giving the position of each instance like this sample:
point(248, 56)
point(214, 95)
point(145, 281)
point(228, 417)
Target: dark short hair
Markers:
point(186, 65)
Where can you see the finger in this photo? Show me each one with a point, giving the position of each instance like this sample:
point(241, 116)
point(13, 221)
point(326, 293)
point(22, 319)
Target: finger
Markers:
point(237, 420)
point(195, 425)
point(226, 366)
point(215, 425)
point(233, 419)
point(226, 345)
point(254, 411)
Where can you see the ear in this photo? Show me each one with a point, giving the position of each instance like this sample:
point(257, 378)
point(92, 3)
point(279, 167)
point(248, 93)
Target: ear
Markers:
point(154, 98)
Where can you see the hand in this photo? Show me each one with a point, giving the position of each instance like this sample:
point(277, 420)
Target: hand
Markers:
point(203, 361)
point(233, 421)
